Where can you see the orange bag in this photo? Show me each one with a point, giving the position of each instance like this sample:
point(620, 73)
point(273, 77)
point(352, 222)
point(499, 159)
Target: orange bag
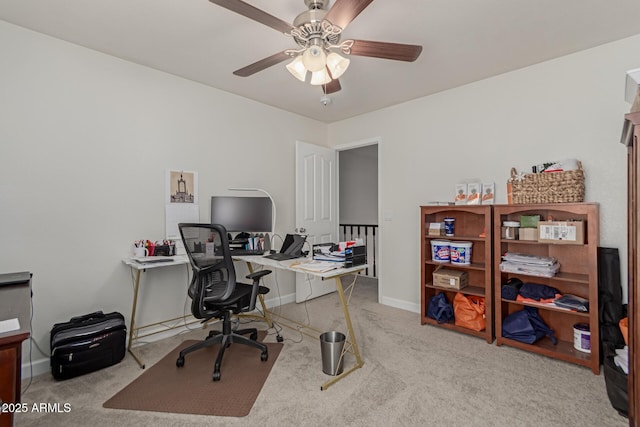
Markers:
point(469, 311)
point(624, 328)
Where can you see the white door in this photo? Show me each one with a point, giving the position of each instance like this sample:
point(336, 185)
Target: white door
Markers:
point(316, 209)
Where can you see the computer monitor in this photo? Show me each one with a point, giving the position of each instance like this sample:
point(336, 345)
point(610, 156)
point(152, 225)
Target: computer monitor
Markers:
point(238, 214)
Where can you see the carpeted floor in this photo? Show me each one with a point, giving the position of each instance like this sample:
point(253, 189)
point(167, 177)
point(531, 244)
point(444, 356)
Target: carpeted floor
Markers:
point(413, 375)
point(190, 389)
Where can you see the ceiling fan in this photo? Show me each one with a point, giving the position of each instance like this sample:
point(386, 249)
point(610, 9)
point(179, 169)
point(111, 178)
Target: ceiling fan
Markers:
point(317, 32)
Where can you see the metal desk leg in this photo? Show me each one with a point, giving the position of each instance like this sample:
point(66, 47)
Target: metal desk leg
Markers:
point(132, 330)
point(350, 342)
point(351, 345)
point(266, 316)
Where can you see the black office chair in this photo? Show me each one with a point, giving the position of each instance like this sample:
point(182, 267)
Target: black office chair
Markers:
point(214, 291)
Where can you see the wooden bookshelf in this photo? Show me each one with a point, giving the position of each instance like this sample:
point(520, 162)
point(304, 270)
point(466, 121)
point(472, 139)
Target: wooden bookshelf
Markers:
point(578, 275)
point(472, 224)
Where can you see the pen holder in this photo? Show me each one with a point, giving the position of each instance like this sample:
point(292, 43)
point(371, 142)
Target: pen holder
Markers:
point(164, 250)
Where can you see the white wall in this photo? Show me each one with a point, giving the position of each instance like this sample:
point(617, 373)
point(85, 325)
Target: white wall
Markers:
point(571, 107)
point(85, 140)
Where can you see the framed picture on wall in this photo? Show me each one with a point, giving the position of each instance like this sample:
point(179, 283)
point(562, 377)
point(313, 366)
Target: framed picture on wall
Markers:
point(182, 187)
point(181, 201)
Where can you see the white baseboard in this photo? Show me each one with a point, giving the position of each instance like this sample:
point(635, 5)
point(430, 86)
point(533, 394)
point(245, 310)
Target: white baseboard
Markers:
point(278, 301)
point(42, 365)
point(403, 305)
point(38, 367)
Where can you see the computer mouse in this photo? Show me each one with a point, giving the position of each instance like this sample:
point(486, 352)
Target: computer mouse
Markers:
point(272, 251)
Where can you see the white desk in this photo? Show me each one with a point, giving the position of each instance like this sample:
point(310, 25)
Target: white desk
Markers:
point(351, 344)
point(134, 330)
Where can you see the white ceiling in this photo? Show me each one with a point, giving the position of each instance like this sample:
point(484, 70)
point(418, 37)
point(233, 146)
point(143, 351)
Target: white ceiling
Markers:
point(463, 41)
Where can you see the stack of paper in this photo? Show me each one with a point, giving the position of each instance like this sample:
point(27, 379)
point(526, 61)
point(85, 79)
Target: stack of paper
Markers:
point(330, 257)
point(9, 325)
point(531, 265)
point(323, 252)
point(316, 266)
point(344, 254)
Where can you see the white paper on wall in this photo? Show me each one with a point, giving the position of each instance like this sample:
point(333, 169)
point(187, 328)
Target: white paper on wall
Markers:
point(175, 213)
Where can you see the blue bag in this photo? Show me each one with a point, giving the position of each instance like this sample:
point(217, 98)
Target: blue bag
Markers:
point(537, 291)
point(511, 288)
point(526, 326)
point(439, 308)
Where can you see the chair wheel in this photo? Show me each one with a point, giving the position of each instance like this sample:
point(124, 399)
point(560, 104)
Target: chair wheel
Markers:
point(216, 376)
point(264, 356)
point(253, 336)
point(180, 362)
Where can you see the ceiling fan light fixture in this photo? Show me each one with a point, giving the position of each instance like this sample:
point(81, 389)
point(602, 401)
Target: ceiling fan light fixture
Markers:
point(320, 77)
point(297, 68)
point(314, 58)
point(317, 32)
point(337, 64)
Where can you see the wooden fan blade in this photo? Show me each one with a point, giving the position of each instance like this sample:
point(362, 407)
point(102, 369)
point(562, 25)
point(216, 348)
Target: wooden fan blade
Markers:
point(344, 11)
point(395, 51)
point(254, 13)
point(332, 87)
point(262, 64)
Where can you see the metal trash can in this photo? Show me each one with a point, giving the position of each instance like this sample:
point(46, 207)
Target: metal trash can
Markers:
point(331, 345)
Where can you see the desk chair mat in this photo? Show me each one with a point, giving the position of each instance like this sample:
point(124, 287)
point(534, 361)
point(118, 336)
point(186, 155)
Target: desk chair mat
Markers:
point(191, 390)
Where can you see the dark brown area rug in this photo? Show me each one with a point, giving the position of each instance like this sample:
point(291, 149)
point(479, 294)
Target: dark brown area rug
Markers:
point(191, 390)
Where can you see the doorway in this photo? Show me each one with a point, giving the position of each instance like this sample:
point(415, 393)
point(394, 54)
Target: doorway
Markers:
point(359, 200)
point(325, 212)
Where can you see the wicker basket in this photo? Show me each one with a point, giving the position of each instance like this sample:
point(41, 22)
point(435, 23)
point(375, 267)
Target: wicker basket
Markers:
point(550, 187)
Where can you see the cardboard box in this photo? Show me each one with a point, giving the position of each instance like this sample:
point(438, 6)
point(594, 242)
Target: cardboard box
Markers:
point(450, 279)
point(562, 232)
point(528, 234)
point(436, 229)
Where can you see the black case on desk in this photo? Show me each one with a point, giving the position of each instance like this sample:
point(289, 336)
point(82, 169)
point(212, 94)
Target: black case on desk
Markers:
point(87, 343)
point(355, 255)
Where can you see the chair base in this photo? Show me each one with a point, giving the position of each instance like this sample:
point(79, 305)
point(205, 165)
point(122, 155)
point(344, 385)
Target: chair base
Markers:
point(225, 338)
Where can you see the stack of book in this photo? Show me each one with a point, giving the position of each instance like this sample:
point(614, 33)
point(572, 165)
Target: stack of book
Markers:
point(348, 257)
point(531, 265)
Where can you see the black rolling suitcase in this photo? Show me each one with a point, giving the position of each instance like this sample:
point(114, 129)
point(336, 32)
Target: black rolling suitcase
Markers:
point(87, 343)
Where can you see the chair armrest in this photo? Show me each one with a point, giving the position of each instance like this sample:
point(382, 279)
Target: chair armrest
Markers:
point(256, 275)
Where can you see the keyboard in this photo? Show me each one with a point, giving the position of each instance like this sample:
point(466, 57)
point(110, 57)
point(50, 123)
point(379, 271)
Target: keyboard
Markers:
point(279, 256)
point(240, 252)
point(152, 259)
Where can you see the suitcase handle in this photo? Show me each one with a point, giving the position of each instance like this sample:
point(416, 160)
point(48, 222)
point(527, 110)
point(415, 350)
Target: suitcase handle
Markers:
point(94, 315)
